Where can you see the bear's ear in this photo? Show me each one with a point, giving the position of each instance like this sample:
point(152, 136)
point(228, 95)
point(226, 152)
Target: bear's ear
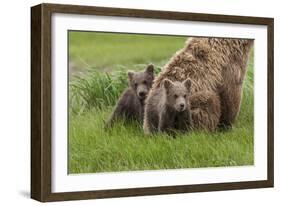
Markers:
point(150, 69)
point(187, 84)
point(167, 84)
point(131, 75)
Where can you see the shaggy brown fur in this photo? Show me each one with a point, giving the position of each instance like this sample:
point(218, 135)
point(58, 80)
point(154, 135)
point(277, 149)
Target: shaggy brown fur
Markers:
point(169, 108)
point(216, 66)
point(205, 105)
point(131, 103)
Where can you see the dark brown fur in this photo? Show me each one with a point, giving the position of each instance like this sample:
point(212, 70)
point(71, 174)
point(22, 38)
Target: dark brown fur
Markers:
point(130, 105)
point(217, 67)
point(168, 109)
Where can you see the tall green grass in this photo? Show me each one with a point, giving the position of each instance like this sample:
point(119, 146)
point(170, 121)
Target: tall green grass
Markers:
point(96, 89)
point(125, 147)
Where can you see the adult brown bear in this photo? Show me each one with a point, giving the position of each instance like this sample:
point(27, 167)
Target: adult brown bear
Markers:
point(216, 67)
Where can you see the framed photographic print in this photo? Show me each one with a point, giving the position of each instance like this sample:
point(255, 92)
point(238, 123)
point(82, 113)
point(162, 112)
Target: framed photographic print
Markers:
point(130, 102)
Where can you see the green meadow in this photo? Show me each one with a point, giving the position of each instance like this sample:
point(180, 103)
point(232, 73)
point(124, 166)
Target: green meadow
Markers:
point(103, 60)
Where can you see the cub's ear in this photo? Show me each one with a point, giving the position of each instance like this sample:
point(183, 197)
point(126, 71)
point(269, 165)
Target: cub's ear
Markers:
point(187, 84)
point(131, 75)
point(150, 69)
point(167, 84)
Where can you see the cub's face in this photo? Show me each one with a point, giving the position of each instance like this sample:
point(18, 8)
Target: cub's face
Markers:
point(141, 82)
point(177, 94)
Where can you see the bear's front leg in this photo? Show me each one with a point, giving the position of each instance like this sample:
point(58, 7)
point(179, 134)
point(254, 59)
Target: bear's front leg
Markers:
point(184, 121)
point(166, 122)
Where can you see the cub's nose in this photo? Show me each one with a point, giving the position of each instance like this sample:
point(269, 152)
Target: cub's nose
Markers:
point(181, 105)
point(142, 94)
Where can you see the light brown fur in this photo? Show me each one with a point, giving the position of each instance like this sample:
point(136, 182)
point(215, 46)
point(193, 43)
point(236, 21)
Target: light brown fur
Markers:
point(169, 108)
point(216, 67)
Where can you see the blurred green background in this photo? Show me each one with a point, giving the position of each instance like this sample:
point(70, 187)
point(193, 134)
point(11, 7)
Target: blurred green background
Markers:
point(106, 51)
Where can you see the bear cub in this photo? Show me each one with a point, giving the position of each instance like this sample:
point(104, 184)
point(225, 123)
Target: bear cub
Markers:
point(168, 108)
point(130, 105)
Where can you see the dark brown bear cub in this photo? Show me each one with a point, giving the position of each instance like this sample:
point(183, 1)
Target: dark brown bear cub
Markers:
point(130, 105)
point(168, 108)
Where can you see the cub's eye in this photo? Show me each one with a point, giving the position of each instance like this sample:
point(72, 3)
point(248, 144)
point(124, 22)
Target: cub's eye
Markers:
point(184, 96)
point(136, 84)
point(144, 82)
point(176, 96)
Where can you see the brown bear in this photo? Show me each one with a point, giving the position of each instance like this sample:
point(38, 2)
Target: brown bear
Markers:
point(168, 109)
point(216, 67)
point(130, 105)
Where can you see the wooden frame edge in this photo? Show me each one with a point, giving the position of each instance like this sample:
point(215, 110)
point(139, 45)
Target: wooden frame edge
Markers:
point(41, 102)
point(101, 194)
point(270, 101)
point(157, 14)
point(36, 58)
